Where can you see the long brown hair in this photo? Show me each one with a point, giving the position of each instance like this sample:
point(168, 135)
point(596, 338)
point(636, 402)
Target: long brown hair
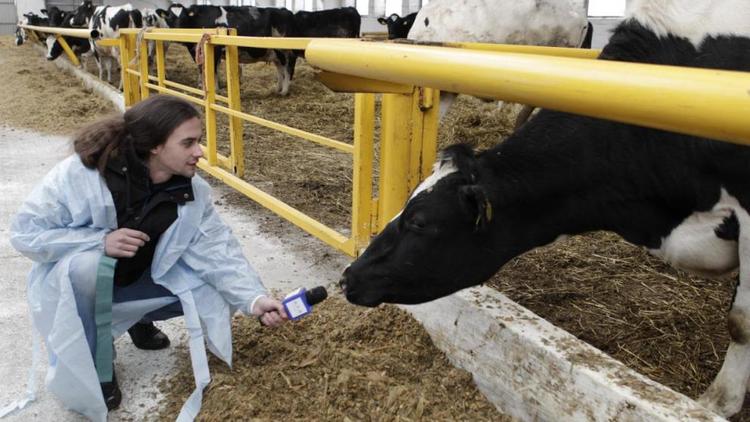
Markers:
point(144, 126)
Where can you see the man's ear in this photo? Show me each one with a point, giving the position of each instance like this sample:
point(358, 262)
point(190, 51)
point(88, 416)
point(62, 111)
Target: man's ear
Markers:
point(474, 201)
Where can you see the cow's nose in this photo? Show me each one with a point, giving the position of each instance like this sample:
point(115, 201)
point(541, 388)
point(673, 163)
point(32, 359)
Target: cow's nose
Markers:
point(343, 283)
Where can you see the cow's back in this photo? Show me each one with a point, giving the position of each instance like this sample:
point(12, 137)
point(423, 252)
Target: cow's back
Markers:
point(530, 22)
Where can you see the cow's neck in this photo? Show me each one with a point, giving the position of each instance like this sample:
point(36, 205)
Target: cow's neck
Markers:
point(566, 175)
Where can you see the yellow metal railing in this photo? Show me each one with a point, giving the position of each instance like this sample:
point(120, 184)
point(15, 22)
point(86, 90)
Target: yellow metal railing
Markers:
point(703, 102)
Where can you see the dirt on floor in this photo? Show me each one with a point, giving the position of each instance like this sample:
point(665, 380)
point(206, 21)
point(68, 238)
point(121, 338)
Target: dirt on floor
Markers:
point(668, 325)
point(340, 363)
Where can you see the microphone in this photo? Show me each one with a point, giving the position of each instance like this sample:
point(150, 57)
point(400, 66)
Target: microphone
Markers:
point(300, 302)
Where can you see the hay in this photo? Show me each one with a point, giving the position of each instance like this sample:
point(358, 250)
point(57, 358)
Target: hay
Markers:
point(339, 363)
point(37, 95)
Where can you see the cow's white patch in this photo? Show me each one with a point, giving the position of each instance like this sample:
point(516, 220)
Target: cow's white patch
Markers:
point(560, 23)
point(693, 19)
point(439, 171)
point(50, 42)
point(694, 246)
point(222, 20)
point(177, 10)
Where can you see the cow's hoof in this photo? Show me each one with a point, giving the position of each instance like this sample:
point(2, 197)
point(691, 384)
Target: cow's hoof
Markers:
point(721, 401)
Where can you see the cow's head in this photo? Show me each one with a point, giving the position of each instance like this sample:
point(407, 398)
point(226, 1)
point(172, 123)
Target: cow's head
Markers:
point(54, 49)
point(20, 35)
point(444, 240)
point(398, 27)
point(83, 14)
point(58, 18)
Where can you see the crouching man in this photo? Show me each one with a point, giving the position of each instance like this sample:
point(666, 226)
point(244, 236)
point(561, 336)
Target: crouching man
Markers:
point(123, 233)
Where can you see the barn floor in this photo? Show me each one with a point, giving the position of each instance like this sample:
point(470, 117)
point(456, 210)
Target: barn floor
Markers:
point(665, 324)
point(341, 362)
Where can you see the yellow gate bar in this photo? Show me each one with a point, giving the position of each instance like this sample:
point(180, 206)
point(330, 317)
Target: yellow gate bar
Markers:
point(293, 215)
point(322, 140)
point(703, 102)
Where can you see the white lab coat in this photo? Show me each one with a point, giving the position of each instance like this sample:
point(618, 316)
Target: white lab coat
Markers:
point(197, 259)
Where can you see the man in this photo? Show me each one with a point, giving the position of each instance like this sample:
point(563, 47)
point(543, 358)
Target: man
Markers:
point(123, 233)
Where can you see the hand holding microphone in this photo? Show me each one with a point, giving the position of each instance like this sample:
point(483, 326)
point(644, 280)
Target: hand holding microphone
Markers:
point(270, 311)
point(300, 302)
point(294, 306)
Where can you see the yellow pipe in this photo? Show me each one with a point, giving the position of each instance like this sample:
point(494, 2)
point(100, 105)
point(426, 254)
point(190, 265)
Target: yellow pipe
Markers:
point(708, 103)
point(293, 215)
point(262, 42)
point(70, 32)
point(579, 53)
point(321, 140)
point(68, 51)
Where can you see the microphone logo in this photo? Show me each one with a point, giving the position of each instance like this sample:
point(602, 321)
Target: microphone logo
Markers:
point(300, 302)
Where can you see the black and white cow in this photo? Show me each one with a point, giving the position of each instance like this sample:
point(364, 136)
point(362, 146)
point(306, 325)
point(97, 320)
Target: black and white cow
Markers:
point(107, 21)
point(30, 18)
point(552, 23)
point(82, 15)
point(80, 46)
point(249, 21)
point(343, 22)
point(684, 198)
point(398, 27)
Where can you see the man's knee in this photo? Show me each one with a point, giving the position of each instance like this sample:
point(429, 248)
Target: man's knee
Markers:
point(82, 273)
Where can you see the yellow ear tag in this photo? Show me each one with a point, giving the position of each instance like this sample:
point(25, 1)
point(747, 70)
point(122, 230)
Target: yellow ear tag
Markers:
point(191, 14)
point(488, 210)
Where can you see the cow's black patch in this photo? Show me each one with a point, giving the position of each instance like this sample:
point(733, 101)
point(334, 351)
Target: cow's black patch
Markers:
point(729, 229)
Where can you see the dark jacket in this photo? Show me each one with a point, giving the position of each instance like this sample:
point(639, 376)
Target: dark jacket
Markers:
point(144, 206)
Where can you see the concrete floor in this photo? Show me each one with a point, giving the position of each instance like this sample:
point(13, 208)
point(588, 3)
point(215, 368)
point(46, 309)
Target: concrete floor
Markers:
point(284, 262)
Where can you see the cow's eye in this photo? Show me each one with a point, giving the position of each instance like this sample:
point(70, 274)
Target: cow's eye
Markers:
point(416, 223)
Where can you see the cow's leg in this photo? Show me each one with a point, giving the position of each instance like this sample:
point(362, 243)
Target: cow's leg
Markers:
point(727, 392)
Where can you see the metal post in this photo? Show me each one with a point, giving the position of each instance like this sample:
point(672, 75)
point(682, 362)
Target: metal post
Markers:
point(364, 127)
point(236, 144)
point(210, 90)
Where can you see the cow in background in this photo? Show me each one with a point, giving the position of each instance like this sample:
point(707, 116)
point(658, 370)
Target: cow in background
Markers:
point(686, 199)
point(552, 23)
point(82, 15)
point(30, 18)
point(152, 19)
point(80, 46)
point(398, 27)
point(107, 21)
point(248, 21)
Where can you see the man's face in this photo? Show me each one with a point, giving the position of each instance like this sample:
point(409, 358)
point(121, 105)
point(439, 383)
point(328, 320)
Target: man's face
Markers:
point(179, 154)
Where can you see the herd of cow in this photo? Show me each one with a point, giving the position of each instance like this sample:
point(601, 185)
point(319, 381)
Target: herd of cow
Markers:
point(517, 22)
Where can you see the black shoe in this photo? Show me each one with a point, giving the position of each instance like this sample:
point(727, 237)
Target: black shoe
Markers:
point(111, 392)
point(148, 337)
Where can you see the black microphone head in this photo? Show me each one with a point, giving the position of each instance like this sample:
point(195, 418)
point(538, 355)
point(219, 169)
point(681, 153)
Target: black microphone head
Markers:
point(316, 295)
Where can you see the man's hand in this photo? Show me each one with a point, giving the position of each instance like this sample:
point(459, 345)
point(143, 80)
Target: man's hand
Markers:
point(124, 243)
point(269, 311)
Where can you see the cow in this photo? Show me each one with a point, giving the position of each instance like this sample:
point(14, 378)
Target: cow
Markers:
point(63, 19)
point(398, 27)
point(248, 21)
point(152, 19)
point(343, 22)
point(686, 199)
point(106, 22)
point(552, 23)
point(30, 18)
point(82, 15)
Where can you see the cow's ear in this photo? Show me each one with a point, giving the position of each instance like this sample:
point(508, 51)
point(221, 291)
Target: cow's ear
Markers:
point(161, 13)
point(463, 157)
point(474, 201)
point(44, 11)
point(382, 21)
